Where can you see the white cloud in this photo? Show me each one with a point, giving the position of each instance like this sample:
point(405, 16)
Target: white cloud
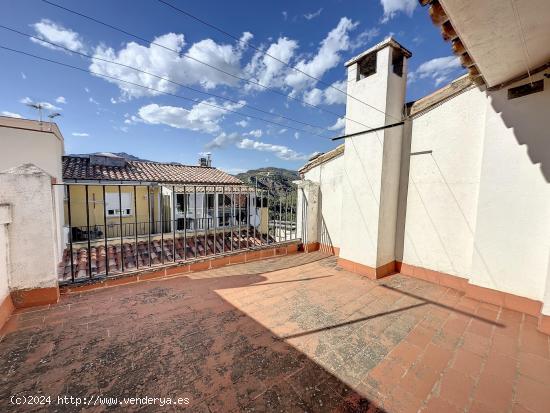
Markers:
point(92, 100)
point(328, 96)
point(56, 33)
point(438, 69)
point(11, 114)
point(170, 65)
point(296, 135)
point(242, 123)
point(23, 76)
point(392, 7)
point(285, 14)
point(338, 125)
point(281, 131)
point(314, 96)
point(202, 117)
point(257, 133)
point(281, 151)
point(45, 105)
point(364, 38)
point(327, 57)
point(222, 140)
point(310, 16)
point(87, 90)
point(267, 71)
point(61, 99)
point(80, 134)
point(333, 96)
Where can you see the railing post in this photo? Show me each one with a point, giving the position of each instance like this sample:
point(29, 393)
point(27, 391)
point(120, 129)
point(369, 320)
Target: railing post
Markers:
point(136, 252)
point(121, 235)
point(195, 218)
point(161, 205)
point(174, 223)
point(149, 219)
point(70, 230)
point(105, 232)
point(88, 229)
point(286, 215)
point(223, 218)
point(215, 209)
point(205, 220)
point(185, 222)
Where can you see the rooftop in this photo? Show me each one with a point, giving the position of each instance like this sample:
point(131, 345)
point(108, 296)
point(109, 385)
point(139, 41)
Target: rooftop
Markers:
point(389, 41)
point(83, 168)
point(295, 333)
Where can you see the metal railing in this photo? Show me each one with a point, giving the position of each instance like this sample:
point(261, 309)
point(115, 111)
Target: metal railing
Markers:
point(100, 245)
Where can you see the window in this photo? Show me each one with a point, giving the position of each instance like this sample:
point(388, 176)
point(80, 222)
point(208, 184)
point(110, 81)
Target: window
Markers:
point(366, 66)
point(112, 207)
point(397, 62)
point(182, 205)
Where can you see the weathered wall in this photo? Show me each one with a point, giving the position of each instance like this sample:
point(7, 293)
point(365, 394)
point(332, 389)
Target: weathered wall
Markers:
point(32, 231)
point(329, 176)
point(5, 219)
point(25, 141)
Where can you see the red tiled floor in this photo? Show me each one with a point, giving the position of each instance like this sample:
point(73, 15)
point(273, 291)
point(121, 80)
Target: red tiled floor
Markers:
point(287, 334)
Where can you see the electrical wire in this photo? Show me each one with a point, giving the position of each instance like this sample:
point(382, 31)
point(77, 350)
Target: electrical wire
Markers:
point(272, 90)
point(252, 46)
point(245, 115)
point(161, 77)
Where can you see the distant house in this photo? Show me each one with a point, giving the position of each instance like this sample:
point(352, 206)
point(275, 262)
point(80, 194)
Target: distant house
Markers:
point(152, 209)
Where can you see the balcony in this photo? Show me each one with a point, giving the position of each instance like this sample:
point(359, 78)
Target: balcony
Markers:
point(294, 333)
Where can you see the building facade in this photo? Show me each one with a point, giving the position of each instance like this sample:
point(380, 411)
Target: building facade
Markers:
point(458, 193)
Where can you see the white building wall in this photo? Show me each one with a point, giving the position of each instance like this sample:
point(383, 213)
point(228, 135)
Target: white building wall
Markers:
point(5, 220)
point(31, 232)
point(329, 176)
point(478, 206)
point(443, 185)
point(513, 214)
point(26, 141)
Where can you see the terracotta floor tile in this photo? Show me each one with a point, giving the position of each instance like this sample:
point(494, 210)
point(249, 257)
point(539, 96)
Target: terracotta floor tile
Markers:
point(293, 333)
point(532, 395)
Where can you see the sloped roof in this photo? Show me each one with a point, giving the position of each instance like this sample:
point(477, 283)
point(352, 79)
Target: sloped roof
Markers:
point(322, 158)
point(80, 168)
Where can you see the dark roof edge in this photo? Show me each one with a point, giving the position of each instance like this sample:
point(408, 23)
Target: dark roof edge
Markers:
point(321, 159)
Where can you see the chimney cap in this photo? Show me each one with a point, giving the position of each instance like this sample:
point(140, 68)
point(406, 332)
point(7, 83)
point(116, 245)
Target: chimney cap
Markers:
point(388, 41)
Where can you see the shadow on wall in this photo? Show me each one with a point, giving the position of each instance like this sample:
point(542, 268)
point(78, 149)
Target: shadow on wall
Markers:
point(529, 117)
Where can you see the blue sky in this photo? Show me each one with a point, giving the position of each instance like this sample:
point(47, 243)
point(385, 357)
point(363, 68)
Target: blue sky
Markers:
point(104, 115)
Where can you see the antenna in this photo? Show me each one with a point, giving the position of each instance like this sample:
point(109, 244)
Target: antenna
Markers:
point(38, 106)
point(52, 116)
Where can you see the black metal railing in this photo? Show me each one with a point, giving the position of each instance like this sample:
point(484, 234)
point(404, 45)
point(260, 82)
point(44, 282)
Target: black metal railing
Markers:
point(112, 229)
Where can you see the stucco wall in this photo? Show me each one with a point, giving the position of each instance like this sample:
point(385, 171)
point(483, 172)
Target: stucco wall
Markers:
point(23, 142)
point(5, 219)
point(513, 214)
point(443, 185)
point(329, 177)
point(478, 205)
point(31, 233)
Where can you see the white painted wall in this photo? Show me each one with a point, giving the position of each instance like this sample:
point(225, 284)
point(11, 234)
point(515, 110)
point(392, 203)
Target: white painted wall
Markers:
point(329, 176)
point(478, 206)
point(26, 141)
point(370, 183)
point(513, 214)
point(32, 231)
point(5, 220)
point(443, 185)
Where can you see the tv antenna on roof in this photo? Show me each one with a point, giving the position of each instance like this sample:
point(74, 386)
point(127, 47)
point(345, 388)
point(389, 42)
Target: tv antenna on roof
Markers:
point(38, 106)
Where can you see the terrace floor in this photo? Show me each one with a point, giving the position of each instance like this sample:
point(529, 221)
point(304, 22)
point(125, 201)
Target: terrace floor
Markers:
point(287, 334)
